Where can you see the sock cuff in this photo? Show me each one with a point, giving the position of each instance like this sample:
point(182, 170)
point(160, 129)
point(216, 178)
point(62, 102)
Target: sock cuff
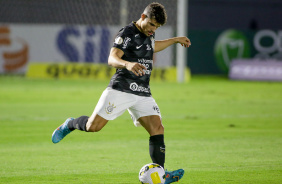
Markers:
point(157, 139)
point(78, 123)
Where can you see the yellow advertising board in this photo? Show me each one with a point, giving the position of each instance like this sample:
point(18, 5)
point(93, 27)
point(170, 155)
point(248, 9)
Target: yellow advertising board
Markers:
point(92, 71)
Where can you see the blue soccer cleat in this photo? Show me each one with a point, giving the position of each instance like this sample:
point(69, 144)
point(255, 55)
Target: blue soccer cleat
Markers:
point(173, 176)
point(61, 131)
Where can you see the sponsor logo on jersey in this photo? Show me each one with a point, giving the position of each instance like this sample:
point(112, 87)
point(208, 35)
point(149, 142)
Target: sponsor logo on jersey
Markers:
point(138, 47)
point(145, 60)
point(148, 72)
point(146, 63)
point(134, 87)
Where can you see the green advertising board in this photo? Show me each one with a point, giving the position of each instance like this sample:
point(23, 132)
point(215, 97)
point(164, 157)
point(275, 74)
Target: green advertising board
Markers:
point(213, 50)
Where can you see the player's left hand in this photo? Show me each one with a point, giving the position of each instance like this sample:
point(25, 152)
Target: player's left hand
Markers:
point(184, 41)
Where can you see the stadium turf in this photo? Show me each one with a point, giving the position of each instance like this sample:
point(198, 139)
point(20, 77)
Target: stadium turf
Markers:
point(218, 131)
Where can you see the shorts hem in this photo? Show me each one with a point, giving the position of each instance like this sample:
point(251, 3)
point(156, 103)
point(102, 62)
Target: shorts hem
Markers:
point(104, 116)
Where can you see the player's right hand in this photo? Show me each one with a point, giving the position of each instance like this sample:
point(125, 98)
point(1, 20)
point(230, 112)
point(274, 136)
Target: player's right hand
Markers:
point(136, 68)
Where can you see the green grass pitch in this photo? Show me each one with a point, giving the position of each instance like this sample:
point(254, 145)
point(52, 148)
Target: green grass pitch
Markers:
point(218, 131)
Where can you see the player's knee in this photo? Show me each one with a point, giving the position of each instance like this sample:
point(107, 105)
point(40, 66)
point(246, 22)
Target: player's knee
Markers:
point(159, 129)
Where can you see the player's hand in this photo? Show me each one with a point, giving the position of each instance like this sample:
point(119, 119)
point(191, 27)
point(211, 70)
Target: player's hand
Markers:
point(184, 41)
point(136, 68)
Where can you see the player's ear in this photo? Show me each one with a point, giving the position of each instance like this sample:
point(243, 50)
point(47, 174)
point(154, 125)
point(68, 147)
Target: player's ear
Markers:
point(143, 16)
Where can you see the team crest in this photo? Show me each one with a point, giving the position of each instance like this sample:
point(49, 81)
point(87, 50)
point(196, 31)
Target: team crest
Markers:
point(109, 109)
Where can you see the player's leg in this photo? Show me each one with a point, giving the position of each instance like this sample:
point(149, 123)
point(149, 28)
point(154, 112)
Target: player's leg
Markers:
point(147, 114)
point(153, 124)
point(111, 104)
point(84, 123)
point(93, 124)
point(78, 123)
point(154, 127)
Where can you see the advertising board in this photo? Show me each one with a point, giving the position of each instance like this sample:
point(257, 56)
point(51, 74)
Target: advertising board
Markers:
point(213, 51)
point(21, 44)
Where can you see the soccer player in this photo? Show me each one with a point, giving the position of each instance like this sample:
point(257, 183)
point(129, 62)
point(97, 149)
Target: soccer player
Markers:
point(132, 56)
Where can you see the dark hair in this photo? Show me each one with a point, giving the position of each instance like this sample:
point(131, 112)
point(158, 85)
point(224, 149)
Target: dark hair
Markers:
point(156, 11)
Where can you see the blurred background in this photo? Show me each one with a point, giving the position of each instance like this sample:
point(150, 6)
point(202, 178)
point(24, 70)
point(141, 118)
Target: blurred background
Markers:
point(241, 39)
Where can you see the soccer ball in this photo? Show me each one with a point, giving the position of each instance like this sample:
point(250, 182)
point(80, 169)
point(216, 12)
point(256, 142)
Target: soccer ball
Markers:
point(152, 174)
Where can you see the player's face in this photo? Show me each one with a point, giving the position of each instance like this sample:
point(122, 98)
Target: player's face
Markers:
point(149, 26)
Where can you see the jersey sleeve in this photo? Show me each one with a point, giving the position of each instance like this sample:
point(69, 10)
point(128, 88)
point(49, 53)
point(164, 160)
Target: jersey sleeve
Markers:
point(123, 40)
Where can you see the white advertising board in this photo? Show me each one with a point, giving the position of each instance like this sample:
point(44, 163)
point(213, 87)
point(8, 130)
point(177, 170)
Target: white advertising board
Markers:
point(24, 43)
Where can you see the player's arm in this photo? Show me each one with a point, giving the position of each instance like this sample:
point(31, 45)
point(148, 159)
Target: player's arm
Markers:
point(162, 44)
point(115, 61)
